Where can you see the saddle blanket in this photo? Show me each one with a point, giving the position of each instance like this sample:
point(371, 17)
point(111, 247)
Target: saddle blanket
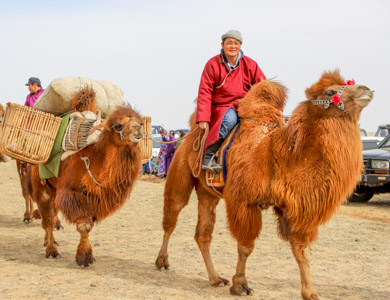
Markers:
point(217, 180)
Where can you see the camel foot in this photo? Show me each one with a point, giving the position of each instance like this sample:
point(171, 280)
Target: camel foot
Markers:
point(51, 251)
point(162, 262)
point(310, 294)
point(84, 258)
point(241, 290)
point(27, 219)
point(36, 214)
point(219, 281)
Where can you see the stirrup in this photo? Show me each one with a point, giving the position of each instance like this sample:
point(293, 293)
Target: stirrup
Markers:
point(212, 166)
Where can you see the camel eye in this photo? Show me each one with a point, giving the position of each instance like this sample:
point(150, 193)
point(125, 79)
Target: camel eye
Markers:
point(118, 126)
point(330, 93)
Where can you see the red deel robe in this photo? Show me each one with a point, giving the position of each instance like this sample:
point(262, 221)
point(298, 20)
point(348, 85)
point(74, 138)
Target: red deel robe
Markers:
point(219, 89)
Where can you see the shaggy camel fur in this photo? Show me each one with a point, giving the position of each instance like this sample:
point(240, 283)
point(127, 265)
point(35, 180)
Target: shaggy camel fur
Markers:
point(88, 195)
point(305, 170)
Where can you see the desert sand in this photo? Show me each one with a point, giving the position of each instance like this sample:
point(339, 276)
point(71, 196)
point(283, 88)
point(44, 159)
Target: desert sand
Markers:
point(350, 260)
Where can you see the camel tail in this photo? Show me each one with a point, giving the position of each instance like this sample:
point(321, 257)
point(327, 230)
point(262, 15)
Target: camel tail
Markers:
point(244, 221)
point(85, 99)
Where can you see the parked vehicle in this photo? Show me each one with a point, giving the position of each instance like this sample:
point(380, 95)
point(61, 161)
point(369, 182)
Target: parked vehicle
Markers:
point(370, 142)
point(376, 176)
point(156, 145)
point(383, 130)
point(156, 129)
point(363, 132)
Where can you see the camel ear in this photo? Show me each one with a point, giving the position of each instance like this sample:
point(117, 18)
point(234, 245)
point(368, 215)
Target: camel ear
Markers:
point(310, 94)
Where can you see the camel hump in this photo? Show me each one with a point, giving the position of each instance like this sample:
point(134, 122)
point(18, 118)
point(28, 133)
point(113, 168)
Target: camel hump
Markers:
point(269, 92)
point(85, 99)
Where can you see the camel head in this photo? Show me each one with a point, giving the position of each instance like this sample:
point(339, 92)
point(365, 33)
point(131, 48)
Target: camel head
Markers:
point(332, 96)
point(266, 92)
point(125, 125)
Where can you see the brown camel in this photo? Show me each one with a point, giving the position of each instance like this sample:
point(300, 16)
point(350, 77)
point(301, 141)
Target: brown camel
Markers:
point(25, 182)
point(94, 182)
point(304, 170)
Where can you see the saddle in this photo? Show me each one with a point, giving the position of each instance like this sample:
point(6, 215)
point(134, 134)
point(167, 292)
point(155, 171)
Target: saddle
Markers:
point(217, 180)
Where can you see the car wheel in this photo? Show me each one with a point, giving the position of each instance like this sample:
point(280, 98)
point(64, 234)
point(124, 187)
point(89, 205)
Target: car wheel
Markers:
point(360, 196)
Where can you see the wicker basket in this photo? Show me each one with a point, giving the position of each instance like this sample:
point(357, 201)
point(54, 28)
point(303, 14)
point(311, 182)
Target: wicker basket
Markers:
point(146, 143)
point(28, 134)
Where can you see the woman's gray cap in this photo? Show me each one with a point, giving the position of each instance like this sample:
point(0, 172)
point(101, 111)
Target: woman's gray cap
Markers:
point(33, 80)
point(235, 34)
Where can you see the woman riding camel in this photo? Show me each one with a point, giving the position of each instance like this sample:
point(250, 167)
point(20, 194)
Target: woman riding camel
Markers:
point(225, 78)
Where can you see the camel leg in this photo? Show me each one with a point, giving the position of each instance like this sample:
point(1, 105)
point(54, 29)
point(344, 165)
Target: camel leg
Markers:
point(245, 222)
point(302, 256)
point(176, 195)
point(24, 182)
point(206, 220)
point(240, 283)
point(28, 215)
point(46, 207)
point(84, 255)
point(300, 247)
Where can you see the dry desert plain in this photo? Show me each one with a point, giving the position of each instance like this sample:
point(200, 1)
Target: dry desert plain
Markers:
point(350, 260)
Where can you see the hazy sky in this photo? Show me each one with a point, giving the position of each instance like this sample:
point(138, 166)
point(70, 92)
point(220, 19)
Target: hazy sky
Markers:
point(156, 50)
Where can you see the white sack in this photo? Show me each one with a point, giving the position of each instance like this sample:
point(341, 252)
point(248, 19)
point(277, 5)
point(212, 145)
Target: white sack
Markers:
point(58, 95)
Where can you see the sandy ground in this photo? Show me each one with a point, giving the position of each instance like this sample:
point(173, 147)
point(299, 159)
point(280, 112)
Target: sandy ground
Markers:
point(350, 260)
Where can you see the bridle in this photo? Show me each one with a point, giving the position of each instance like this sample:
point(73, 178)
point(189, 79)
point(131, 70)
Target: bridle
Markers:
point(336, 99)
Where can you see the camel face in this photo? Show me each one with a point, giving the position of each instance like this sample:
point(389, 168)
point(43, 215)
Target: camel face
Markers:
point(131, 129)
point(351, 98)
point(125, 125)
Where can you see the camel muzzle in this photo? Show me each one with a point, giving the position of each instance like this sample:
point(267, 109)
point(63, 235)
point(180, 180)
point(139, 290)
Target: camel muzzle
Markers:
point(364, 99)
point(136, 138)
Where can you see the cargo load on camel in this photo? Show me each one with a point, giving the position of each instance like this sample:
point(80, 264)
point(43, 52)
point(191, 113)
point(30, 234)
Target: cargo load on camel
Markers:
point(57, 97)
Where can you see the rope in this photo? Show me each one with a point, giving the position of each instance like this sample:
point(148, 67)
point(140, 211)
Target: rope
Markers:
point(85, 159)
point(260, 123)
point(212, 185)
point(199, 146)
point(87, 162)
point(94, 128)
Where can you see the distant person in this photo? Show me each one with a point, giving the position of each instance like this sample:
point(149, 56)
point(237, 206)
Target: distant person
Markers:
point(161, 158)
point(226, 78)
point(35, 88)
point(178, 143)
point(170, 150)
point(147, 167)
